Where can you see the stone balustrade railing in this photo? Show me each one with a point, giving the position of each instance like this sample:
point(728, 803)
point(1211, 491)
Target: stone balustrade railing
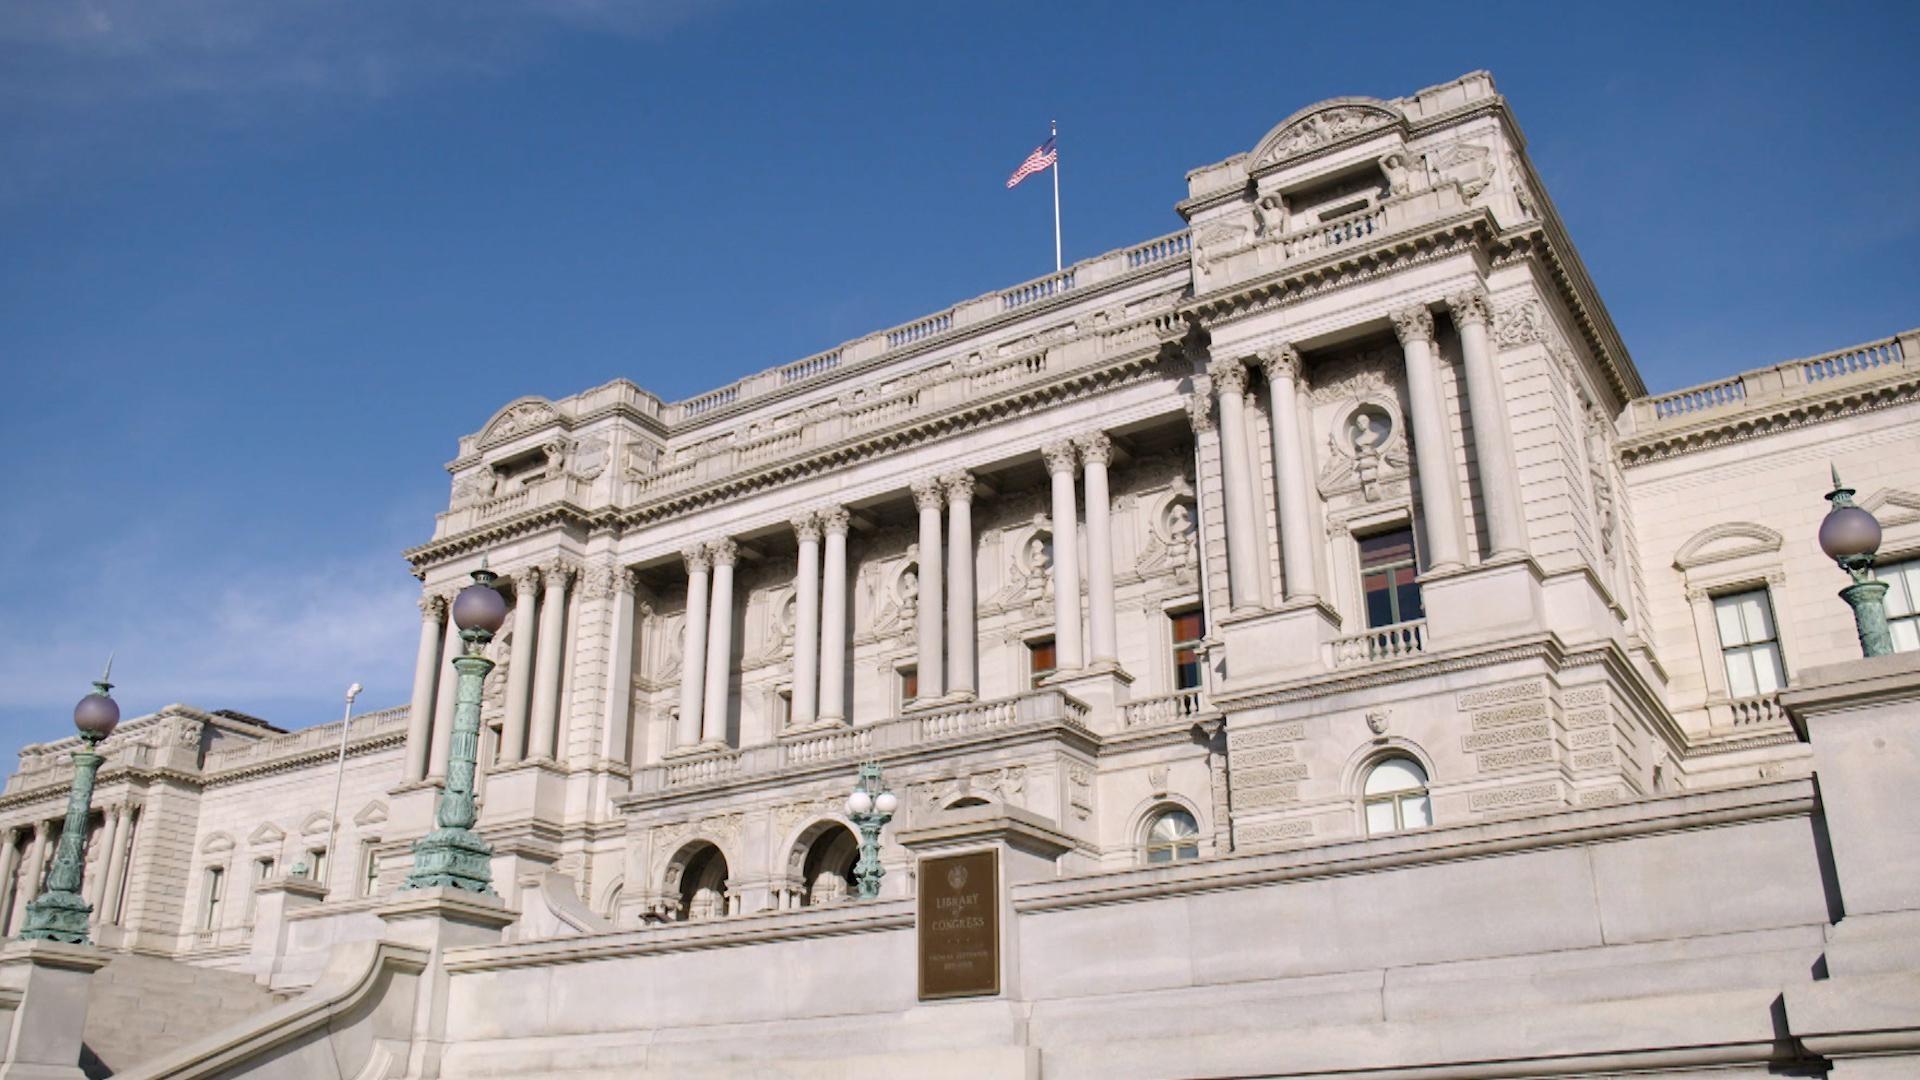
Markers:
point(389, 721)
point(1351, 228)
point(1380, 644)
point(1762, 709)
point(812, 749)
point(1152, 712)
point(1779, 382)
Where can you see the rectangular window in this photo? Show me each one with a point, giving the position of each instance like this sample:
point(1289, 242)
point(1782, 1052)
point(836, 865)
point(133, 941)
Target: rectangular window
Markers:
point(317, 861)
point(370, 871)
point(216, 893)
point(1903, 603)
point(1387, 578)
point(909, 683)
point(1041, 660)
point(263, 869)
point(1749, 643)
point(782, 709)
point(1188, 628)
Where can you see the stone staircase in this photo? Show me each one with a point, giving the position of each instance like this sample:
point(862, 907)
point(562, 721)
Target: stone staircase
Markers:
point(140, 1007)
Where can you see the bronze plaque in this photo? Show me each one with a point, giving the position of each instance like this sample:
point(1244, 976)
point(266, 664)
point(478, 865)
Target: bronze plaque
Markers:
point(959, 925)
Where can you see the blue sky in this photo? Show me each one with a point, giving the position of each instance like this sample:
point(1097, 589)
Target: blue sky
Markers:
point(262, 263)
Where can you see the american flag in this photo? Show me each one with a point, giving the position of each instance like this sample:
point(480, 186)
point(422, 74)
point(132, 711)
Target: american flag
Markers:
point(1040, 160)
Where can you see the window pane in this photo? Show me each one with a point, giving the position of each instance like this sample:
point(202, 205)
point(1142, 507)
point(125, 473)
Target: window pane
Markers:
point(1189, 626)
point(1380, 817)
point(1173, 825)
point(1383, 549)
point(1379, 599)
point(1903, 582)
point(1740, 678)
point(1186, 669)
point(1758, 616)
point(1906, 635)
point(1159, 855)
point(909, 682)
point(1726, 615)
point(1416, 811)
point(1767, 673)
point(1188, 851)
point(1407, 598)
point(1396, 774)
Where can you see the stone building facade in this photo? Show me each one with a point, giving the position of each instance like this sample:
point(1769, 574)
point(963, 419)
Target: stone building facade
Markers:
point(1331, 538)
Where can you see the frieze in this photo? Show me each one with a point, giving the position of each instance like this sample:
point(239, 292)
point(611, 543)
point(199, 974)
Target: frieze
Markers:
point(1500, 695)
point(1500, 798)
point(1504, 736)
point(1266, 755)
point(1511, 714)
point(1588, 718)
point(1269, 774)
point(1290, 731)
point(1267, 796)
point(1584, 695)
point(1270, 831)
point(1600, 797)
point(1593, 759)
point(1537, 754)
point(1591, 737)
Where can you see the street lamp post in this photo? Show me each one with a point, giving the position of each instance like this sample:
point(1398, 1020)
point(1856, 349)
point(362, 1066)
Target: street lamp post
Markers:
point(1850, 536)
point(453, 854)
point(60, 912)
point(870, 806)
point(339, 777)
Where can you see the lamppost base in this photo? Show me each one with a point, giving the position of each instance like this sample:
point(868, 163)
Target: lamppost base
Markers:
point(58, 916)
point(455, 858)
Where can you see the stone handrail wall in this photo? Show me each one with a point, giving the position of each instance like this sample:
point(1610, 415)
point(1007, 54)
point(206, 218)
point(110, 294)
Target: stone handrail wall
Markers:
point(1148, 712)
point(389, 721)
point(1383, 643)
point(1778, 382)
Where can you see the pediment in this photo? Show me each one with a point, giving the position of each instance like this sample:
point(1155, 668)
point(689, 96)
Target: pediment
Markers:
point(267, 833)
point(316, 823)
point(518, 417)
point(1321, 125)
point(1732, 540)
point(373, 813)
point(217, 844)
point(1892, 506)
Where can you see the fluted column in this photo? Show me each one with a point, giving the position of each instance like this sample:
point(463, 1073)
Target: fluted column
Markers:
point(30, 874)
point(9, 865)
point(619, 699)
point(117, 866)
point(928, 495)
point(1096, 450)
point(443, 701)
point(1493, 446)
point(426, 672)
point(1243, 560)
point(1282, 365)
point(1068, 654)
point(713, 715)
point(546, 675)
point(806, 621)
point(526, 605)
point(833, 615)
point(693, 649)
point(96, 884)
point(962, 634)
point(1432, 447)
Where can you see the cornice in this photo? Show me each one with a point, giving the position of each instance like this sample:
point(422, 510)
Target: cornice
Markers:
point(304, 759)
point(1784, 416)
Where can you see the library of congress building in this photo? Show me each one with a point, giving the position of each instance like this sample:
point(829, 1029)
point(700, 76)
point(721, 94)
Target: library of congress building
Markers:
point(1295, 645)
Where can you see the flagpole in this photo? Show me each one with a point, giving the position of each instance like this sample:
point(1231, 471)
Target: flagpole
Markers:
point(1055, 126)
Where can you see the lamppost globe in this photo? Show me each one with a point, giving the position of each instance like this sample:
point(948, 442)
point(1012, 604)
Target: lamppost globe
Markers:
point(859, 803)
point(96, 716)
point(480, 606)
point(886, 803)
point(1849, 532)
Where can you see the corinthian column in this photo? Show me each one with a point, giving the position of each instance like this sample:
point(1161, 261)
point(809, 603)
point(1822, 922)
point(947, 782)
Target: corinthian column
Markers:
point(1432, 448)
point(526, 603)
point(546, 676)
point(961, 632)
point(1095, 451)
point(833, 616)
point(443, 700)
point(1243, 561)
point(1493, 447)
point(693, 648)
point(117, 866)
point(713, 717)
point(109, 830)
point(9, 866)
point(1068, 655)
point(426, 669)
point(806, 621)
point(927, 495)
point(1282, 364)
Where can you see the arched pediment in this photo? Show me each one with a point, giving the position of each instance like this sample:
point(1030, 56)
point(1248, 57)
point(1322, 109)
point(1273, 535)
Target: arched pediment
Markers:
point(217, 844)
point(1321, 125)
point(267, 833)
point(1892, 506)
point(518, 416)
point(373, 813)
point(1732, 540)
point(316, 823)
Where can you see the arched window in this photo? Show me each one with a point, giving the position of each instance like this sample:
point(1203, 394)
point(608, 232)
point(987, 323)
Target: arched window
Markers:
point(703, 886)
point(827, 872)
point(1173, 835)
point(1396, 796)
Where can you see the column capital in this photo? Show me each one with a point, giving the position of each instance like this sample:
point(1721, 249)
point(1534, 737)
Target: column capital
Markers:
point(556, 573)
point(1229, 375)
point(1281, 361)
point(625, 580)
point(1412, 324)
point(927, 493)
point(1096, 448)
point(46, 828)
point(806, 526)
point(724, 551)
point(527, 580)
point(1471, 305)
point(1060, 457)
point(958, 485)
point(1200, 411)
point(433, 607)
point(834, 519)
point(697, 559)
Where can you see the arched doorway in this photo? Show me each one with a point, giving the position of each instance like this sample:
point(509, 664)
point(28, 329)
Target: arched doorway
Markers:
point(697, 877)
point(827, 872)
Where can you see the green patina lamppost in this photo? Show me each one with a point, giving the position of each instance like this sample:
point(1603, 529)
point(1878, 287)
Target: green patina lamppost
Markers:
point(453, 854)
point(1850, 536)
point(60, 913)
point(870, 806)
